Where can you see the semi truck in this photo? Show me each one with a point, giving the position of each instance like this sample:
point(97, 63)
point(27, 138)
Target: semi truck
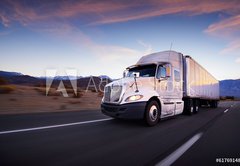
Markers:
point(160, 85)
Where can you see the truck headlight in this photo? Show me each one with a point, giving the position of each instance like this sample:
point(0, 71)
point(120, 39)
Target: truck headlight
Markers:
point(134, 98)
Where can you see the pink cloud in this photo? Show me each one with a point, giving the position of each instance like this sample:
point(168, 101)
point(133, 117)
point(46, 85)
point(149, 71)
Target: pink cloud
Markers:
point(55, 16)
point(229, 29)
point(5, 21)
point(74, 9)
point(160, 8)
point(19, 11)
point(226, 26)
point(232, 48)
point(105, 12)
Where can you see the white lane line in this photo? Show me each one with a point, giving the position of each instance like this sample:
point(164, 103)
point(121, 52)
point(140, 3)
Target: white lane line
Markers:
point(53, 126)
point(226, 111)
point(179, 152)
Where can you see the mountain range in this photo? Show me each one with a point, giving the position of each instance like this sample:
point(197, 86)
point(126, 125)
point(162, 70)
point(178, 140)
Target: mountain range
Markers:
point(82, 82)
point(228, 87)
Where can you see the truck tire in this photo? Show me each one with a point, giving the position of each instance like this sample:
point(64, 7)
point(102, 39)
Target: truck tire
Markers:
point(214, 104)
point(195, 106)
point(152, 113)
point(188, 107)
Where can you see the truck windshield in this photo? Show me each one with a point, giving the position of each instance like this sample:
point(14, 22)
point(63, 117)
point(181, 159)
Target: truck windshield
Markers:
point(144, 71)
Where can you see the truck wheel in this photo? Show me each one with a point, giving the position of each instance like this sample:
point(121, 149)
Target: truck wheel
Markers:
point(195, 106)
point(214, 104)
point(152, 113)
point(188, 107)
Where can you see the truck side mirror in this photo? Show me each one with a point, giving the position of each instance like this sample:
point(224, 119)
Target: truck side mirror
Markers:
point(168, 70)
point(164, 71)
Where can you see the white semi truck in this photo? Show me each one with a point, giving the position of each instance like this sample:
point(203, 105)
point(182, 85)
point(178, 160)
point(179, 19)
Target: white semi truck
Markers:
point(160, 85)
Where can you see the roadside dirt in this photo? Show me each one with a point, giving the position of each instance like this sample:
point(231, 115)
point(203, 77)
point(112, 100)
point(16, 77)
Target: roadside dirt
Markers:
point(26, 99)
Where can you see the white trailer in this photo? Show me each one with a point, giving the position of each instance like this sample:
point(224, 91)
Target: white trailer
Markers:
point(160, 85)
point(200, 87)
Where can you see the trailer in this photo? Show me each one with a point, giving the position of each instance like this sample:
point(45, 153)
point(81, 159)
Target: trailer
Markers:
point(200, 87)
point(160, 85)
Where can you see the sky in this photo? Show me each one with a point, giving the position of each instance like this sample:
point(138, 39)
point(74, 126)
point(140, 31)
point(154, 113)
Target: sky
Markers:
point(98, 37)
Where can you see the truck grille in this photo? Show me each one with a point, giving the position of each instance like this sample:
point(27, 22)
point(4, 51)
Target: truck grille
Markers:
point(112, 93)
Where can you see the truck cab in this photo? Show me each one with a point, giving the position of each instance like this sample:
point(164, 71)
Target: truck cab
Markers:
point(151, 89)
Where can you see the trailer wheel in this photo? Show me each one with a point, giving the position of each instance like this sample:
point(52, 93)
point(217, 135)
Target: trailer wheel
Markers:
point(195, 106)
point(214, 104)
point(152, 113)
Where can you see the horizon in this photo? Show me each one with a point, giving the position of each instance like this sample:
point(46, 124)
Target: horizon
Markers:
point(105, 37)
point(85, 76)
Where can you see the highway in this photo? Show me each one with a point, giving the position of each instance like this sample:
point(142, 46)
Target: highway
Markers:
point(91, 138)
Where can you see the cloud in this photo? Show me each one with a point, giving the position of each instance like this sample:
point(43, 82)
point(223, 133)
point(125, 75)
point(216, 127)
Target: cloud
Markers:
point(148, 47)
point(159, 8)
point(73, 9)
point(56, 21)
point(226, 27)
point(229, 29)
point(4, 20)
point(102, 52)
point(58, 17)
point(59, 23)
point(28, 11)
point(232, 48)
point(4, 33)
point(238, 60)
point(105, 12)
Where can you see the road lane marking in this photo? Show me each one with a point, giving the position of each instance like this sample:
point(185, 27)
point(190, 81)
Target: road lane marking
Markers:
point(226, 111)
point(53, 126)
point(179, 152)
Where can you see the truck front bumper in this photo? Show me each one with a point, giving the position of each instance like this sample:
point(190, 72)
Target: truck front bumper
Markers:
point(124, 111)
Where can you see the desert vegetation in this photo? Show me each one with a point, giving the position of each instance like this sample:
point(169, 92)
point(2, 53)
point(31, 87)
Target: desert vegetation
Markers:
point(30, 99)
point(5, 88)
point(23, 94)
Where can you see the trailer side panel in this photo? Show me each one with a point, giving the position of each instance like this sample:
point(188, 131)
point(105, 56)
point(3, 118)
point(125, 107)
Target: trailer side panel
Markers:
point(198, 82)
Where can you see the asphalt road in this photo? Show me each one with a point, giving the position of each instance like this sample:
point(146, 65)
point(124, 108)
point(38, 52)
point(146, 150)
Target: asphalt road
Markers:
point(74, 138)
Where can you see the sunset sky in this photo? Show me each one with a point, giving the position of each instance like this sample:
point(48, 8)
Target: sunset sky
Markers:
point(98, 37)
